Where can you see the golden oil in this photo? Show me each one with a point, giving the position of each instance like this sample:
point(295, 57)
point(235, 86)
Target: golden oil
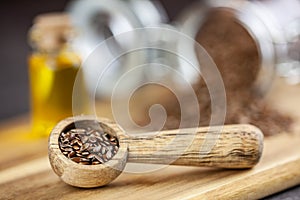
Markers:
point(53, 69)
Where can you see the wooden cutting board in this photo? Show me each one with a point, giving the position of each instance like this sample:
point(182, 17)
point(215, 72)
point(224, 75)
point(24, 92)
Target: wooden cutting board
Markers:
point(25, 172)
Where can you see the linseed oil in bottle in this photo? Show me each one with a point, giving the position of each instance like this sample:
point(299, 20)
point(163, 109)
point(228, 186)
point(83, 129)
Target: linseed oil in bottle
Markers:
point(53, 68)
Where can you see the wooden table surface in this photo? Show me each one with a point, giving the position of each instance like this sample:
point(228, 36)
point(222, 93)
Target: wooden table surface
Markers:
point(25, 172)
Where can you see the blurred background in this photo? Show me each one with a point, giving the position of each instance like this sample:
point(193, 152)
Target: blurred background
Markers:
point(16, 18)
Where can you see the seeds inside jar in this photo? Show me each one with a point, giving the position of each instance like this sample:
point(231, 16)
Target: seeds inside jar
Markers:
point(88, 147)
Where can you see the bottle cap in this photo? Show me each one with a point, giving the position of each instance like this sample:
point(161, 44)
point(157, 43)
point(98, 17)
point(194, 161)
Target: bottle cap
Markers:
point(51, 31)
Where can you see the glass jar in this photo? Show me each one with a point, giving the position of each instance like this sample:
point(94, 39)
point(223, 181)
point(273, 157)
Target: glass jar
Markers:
point(53, 69)
point(272, 24)
point(101, 23)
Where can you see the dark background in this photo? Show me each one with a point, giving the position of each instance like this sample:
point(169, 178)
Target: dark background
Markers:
point(15, 20)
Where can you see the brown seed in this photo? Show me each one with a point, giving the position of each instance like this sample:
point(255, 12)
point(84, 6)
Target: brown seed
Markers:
point(97, 149)
point(105, 135)
point(91, 156)
point(103, 150)
point(84, 160)
point(72, 135)
point(75, 141)
point(91, 148)
point(68, 149)
point(79, 143)
point(81, 130)
point(67, 134)
point(90, 132)
point(85, 153)
point(71, 154)
point(103, 144)
point(99, 158)
point(85, 147)
point(113, 139)
point(96, 134)
point(84, 139)
point(92, 139)
point(65, 141)
point(108, 155)
point(84, 163)
point(78, 154)
point(75, 159)
point(76, 147)
point(104, 157)
point(63, 134)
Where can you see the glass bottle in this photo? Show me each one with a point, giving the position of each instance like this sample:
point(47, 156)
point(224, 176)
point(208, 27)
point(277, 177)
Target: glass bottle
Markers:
point(53, 69)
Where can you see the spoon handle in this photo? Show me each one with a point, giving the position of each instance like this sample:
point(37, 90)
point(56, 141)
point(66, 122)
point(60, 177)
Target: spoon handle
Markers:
point(229, 146)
